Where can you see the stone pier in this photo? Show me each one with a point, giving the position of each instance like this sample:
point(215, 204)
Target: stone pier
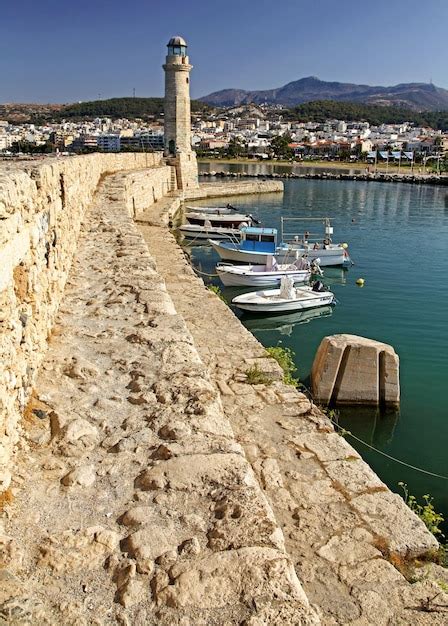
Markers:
point(151, 483)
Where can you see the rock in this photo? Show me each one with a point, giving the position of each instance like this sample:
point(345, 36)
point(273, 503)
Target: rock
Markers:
point(82, 369)
point(167, 559)
point(80, 429)
point(138, 515)
point(190, 547)
point(108, 538)
point(202, 472)
point(124, 574)
point(77, 551)
point(271, 475)
point(5, 480)
point(132, 592)
point(9, 552)
point(349, 548)
point(217, 580)
point(389, 518)
point(83, 476)
point(154, 540)
point(348, 369)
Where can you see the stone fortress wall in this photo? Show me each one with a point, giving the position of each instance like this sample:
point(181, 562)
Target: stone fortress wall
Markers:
point(41, 208)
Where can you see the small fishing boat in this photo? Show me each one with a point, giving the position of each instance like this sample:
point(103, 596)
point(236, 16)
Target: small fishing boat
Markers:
point(255, 244)
point(194, 231)
point(266, 275)
point(229, 220)
point(287, 298)
point(220, 210)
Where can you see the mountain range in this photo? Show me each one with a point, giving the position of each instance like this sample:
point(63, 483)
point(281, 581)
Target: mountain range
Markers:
point(416, 96)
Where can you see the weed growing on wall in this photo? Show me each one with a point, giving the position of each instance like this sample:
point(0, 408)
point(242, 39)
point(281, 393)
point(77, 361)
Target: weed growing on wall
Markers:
point(425, 511)
point(431, 519)
point(255, 376)
point(285, 358)
point(217, 291)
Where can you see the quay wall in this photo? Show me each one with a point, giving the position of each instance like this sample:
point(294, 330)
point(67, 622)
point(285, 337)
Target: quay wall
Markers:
point(42, 205)
point(382, 177)
point(337, 516)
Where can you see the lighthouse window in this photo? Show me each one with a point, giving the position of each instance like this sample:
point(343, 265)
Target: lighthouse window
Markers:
point(187, 80)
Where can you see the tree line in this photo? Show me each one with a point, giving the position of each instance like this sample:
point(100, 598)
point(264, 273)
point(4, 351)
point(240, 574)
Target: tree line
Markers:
point(319, 111)
point(115, 108)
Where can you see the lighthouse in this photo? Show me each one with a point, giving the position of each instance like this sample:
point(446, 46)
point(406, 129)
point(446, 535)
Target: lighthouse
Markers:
point(178, 114)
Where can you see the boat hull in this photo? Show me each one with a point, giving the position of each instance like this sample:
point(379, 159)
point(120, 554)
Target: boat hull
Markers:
point(332, 257)
point(200, 232)
point(231, 220)
point(240, 278)
point(265, 302)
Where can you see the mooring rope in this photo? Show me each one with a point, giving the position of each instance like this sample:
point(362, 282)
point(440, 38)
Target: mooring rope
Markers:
point(205, 273)
point(388, 456)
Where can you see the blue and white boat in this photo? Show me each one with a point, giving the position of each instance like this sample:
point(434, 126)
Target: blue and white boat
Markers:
point(257, 244)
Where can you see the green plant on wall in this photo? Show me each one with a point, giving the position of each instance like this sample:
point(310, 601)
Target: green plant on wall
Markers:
point(285, 358)
point(217, 291)
point(425, 511)
point(255, 376)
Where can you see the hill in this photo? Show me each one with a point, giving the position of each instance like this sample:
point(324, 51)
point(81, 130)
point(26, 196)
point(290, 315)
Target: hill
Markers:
point(115, 108)
point(415, 96)
point(322, 110)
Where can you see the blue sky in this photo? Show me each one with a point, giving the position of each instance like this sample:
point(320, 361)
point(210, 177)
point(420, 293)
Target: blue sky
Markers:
point(69, 50)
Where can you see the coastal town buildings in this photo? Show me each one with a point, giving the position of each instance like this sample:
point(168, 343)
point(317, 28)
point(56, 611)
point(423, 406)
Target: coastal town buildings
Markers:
point(253, 127)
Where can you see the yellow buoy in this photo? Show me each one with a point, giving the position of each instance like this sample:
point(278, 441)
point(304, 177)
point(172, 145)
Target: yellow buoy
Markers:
point(360, 282)
point(345, 246)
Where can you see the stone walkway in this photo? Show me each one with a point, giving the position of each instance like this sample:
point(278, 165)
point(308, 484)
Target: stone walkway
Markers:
point(133, 502)
point(343, 528)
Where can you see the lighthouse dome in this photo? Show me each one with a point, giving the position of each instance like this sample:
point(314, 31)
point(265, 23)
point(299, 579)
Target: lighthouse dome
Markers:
point(177, 46)
point(177, 41)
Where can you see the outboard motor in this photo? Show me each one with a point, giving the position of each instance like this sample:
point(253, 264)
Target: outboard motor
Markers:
point(318, 286)
point(315, 267)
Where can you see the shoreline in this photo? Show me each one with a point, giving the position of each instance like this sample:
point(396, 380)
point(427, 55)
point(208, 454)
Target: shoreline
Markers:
point(419, 179)
point(328, 165)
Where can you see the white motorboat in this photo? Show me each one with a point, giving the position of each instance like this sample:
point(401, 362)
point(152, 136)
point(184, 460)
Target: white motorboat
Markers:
point(227, 219)
point(257, 244)
point(195, 231)
point(265, 275)
point(220, 210)
point(287, 298)
point(314, 245)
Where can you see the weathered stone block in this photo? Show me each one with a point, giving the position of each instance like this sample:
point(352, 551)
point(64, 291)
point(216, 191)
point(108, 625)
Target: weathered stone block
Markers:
point(348, 369)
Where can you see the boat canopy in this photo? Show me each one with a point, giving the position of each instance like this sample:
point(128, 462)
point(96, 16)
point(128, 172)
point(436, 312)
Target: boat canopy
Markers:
point(258, 239)
point(259, 230)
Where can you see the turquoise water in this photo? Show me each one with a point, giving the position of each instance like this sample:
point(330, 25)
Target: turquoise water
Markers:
point(398, 239)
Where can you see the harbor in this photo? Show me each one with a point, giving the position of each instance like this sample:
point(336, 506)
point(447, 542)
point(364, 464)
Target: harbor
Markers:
point(389, 231)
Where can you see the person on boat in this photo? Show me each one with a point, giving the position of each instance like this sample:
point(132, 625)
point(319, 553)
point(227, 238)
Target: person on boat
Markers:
point(326, 243)
point(316, 246)
point(306, 236)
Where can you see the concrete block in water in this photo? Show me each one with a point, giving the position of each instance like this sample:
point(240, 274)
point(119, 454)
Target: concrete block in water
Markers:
point(348, 369)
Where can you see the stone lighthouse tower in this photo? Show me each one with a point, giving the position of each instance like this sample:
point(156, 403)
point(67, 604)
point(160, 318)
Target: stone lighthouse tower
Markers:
point(178, 114)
